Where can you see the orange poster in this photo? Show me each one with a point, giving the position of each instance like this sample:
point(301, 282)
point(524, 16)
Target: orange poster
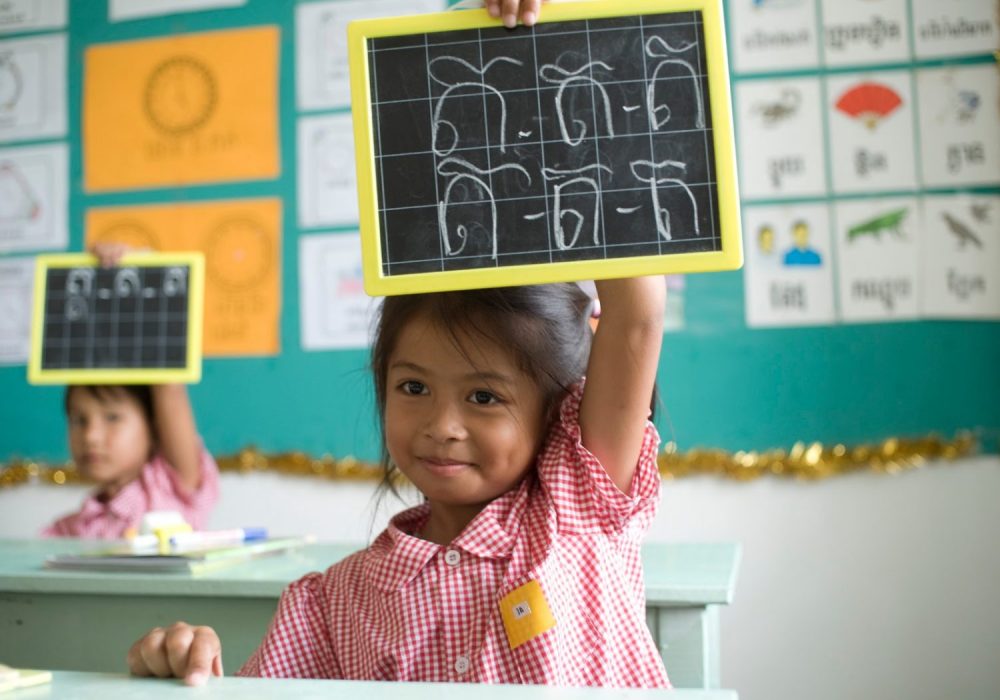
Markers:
point(183, 109)
point(241, 240)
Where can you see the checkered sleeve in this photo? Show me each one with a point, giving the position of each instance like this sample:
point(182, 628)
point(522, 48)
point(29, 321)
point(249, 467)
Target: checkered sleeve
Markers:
point(298, 643)
point(583, 495)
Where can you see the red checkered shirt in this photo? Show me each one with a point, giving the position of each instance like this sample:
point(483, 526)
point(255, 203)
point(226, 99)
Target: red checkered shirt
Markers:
point(156, 488)
point(406, 609)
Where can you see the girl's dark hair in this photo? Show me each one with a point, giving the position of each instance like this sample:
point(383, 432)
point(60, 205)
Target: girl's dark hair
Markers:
point(142, 393)
point(544, 327)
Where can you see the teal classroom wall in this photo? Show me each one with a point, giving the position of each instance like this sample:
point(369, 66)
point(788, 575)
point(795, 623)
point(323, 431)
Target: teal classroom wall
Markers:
point(723, 385)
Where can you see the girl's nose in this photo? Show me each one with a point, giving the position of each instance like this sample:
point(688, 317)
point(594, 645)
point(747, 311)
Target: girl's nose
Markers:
point(444, 423)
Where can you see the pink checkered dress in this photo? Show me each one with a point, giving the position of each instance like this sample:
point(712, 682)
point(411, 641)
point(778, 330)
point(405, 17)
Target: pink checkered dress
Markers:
point(156, 488)
point(406, 609)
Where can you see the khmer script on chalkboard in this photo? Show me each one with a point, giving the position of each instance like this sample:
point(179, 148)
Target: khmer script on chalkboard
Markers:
point(138, 322)
point(596, 144)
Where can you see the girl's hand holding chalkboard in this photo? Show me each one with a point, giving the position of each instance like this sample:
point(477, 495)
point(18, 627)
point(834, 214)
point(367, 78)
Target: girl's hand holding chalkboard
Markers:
point(510, 10)
point(179, 651)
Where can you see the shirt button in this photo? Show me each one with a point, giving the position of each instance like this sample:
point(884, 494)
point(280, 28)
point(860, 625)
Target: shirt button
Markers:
point(451, 558)
point(461, 664)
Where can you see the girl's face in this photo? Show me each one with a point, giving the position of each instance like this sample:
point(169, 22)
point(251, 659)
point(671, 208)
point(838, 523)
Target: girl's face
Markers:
point(109, 437)
point(463, 429)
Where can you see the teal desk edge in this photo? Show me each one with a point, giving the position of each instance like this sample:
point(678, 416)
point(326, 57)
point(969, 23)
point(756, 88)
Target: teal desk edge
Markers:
point(100, 686)
point(676, 573)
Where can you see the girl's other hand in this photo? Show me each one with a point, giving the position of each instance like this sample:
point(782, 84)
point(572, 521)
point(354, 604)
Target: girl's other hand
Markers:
point(179, 651)
point(510, 10)
point(109, 254)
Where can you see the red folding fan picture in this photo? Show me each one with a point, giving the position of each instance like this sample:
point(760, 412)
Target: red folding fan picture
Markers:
point(869, 102)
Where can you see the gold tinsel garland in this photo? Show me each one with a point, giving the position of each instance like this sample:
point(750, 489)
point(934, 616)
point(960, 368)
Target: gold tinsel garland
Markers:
point(802, 461)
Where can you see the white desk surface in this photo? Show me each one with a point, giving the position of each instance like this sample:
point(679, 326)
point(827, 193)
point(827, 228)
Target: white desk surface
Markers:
point(101, 686)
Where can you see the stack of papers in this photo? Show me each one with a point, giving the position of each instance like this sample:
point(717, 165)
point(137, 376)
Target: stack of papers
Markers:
point(189, 561)
point(13, 678)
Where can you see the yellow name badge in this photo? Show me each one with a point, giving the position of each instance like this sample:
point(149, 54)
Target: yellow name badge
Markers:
point(525, 614)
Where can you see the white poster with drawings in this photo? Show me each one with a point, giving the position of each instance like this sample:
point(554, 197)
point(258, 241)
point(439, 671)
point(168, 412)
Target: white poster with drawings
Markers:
point(788, 268)
point(770, 35)
point(871, 132)
point(34, 197)
point(327, 180)
point(33, 87)
point(961, 256)
point(955, 27)
point(119, 10)
point(16, 287)
point(31, 15)
point(336, 312)
point(878, 254)
point(322, 75)
point(858, 32)
point(779, 152)
point(959, 125)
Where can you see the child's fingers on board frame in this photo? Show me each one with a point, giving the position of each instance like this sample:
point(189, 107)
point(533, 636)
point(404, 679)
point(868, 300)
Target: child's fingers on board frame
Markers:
point(109, 254)
point(509, 10)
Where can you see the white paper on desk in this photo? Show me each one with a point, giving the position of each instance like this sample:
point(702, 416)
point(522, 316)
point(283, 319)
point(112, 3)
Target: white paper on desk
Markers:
point(322, 75)
point(336, 312)
point(327, 183)
point(33, 87)
point(30, 15)
point(34, 197)
point(119, 10)
point(16, 284)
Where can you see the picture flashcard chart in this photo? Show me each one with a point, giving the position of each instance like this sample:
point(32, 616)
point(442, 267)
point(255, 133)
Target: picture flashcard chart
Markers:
point(136, 323)
point(596, 144)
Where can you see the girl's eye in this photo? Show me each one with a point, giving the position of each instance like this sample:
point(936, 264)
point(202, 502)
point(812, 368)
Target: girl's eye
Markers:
point(413, 388)
point(77, 421)
point(112, 417)
point(484, 398)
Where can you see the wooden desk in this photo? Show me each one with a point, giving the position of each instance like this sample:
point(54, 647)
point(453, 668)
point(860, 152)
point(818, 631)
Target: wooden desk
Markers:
point(87, 621)
point(100, 686)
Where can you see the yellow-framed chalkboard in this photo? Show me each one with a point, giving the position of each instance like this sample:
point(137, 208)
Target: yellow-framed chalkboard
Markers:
point(596, 144)
point(139, 322)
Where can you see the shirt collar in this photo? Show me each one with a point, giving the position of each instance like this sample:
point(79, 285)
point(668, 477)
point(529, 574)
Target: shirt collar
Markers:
point(398, 554)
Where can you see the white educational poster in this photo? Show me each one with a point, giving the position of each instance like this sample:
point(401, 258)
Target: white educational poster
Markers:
point(34, 197)
point(788, 265)
point(31, 15)
point(960, 256)
point(768, 35)
point(16, 287)
point(33, 87)
point(779, 152)
point(865, 32)
point(878, 251)
point(336, 312)
point(119, 10)
point(322, 79)
point(327, 180)
point(959, 125)
point(955, 27)
point(871, 131)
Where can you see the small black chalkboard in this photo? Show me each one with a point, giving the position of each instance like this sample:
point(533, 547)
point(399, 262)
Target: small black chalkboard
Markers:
point(595, 144)
point(137, 323)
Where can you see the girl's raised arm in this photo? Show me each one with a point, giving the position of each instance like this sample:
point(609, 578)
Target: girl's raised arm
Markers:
point(621, 372)
point(177, 433)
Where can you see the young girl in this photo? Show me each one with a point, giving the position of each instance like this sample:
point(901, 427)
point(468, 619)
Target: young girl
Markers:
point(522, 565)
point(141, 446)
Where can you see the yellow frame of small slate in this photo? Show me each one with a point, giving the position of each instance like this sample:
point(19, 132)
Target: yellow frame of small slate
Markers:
point(729, 258)
point(189, 374)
